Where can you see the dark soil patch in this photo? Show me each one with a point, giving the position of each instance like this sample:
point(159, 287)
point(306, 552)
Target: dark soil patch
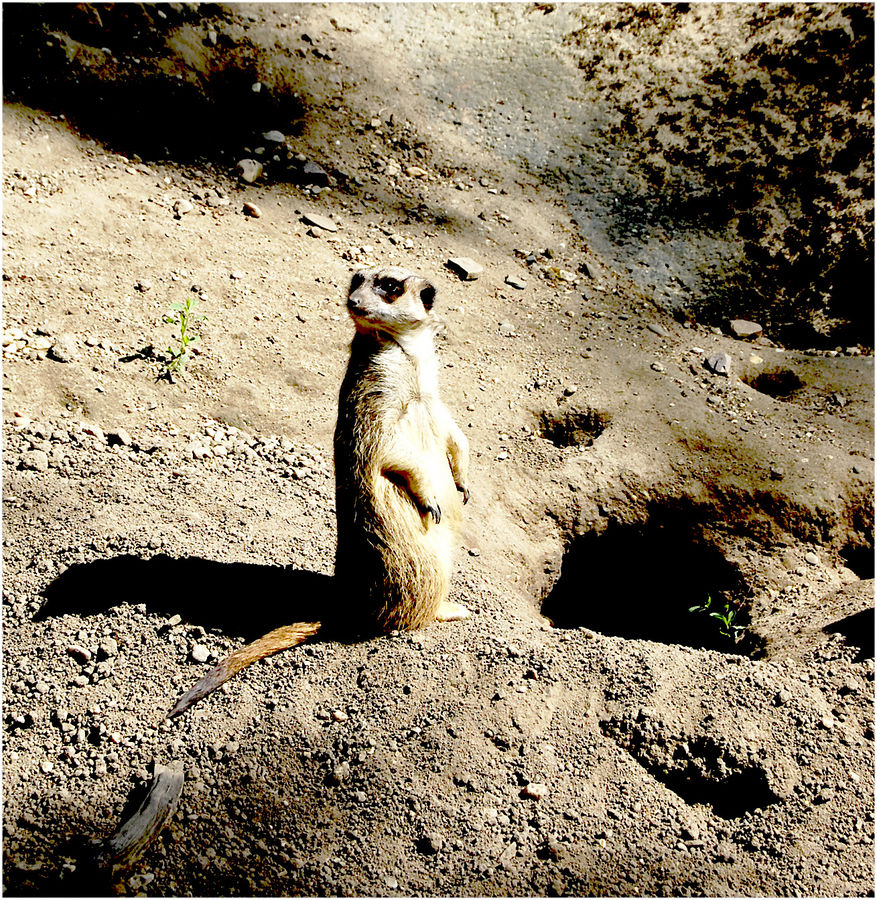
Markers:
point(573, 428)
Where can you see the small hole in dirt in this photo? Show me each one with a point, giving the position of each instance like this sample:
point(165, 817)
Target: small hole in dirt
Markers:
point(697, 768)
point(639, 581)
point(859, 558)
point(777, 383)
point(736, 795)
point(573, 428)
point(857, 630)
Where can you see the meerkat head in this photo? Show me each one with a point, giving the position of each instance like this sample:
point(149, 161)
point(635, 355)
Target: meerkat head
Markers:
point(390, 300)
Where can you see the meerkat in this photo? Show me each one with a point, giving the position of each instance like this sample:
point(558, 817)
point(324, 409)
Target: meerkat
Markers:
point(401, 470)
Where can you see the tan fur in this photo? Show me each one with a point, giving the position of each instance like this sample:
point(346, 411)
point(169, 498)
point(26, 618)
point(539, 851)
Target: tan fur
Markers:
point(401, 465)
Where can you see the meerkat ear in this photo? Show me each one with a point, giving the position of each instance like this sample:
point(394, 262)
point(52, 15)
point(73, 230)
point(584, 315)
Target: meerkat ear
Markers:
point(427, 296)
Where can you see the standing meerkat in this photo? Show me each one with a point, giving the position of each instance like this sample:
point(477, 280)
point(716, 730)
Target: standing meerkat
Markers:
point(401, 468)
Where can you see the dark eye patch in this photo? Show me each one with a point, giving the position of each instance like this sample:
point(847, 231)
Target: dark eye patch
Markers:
point(357, 281)
point(427, 297)
point(391, 288)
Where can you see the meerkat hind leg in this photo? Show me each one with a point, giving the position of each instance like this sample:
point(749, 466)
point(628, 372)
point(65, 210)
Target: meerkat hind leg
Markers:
point(451, 612)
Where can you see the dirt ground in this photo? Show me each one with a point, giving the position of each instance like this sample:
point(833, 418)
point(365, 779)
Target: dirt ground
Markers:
point(585, 732)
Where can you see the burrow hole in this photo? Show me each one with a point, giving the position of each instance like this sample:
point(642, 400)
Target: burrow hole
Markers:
point(859, 558)
point(639, 581)
point(700, 771)
point(573, 427)
point(777, 383)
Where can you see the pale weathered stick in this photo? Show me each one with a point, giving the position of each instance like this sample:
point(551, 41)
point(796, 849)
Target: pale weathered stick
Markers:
point(140, 829)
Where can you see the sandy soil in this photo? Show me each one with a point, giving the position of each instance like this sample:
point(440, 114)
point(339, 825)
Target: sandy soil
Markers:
point(584, 732)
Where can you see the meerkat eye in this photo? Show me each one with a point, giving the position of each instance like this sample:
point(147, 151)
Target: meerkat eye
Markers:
point(391, 288)
point(427, 297)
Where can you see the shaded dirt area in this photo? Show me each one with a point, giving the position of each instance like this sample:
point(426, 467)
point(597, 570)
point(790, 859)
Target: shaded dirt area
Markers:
point(593, 729)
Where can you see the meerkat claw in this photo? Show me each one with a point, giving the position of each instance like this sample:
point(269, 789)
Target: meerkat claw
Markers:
point(435, 512)
point(465, 492)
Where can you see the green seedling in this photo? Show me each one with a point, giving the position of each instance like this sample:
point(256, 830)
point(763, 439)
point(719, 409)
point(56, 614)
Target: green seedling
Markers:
point(182, 315)
point(726, 617)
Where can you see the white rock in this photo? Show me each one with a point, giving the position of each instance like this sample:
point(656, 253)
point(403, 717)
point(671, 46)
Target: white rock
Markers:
point(249, 170)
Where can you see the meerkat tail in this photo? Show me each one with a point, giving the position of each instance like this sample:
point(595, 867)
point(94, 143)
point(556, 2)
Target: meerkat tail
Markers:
point(273, 642)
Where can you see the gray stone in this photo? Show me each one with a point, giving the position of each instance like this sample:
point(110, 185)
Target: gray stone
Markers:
point(250, 209)
point(465, 267)
point(658, 329)
point(181, 207)
point(718, 364)
point(658, 367)
point(35, 460)
point(311, 173)
point(516, 283)
point(319, 221)
point(249, 170)
point(274, 137)
point(64, 349)
point(743, 328)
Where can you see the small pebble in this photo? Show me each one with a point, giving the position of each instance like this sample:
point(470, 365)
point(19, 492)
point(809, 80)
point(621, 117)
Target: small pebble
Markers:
point(742, 328)
point(35, 460)
point(107, 648)
point(433, 842)
point(64, 349)
point(200, 653)
point(535, 791)
point(466, 268)
point(718, 364)
point(119, 437)
point(319, 221)
point(181, 207)
point(249, 170)
point(253, 211)
point(79, 653)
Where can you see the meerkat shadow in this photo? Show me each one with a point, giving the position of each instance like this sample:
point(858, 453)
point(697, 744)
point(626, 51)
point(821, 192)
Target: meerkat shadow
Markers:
point(240, 599)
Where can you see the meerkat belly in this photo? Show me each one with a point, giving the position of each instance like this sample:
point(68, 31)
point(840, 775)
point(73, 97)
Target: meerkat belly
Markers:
point(420, 428)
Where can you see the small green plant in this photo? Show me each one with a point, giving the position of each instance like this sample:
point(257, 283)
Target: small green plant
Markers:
point(726, 617)
point(182, 315)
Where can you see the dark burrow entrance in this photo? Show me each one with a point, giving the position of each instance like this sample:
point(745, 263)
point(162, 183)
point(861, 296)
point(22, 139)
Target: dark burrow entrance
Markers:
point(777, 383)
point(573, 427)
point(640, 581)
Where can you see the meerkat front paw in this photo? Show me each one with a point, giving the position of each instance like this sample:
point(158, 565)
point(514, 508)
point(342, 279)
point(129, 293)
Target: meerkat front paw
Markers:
point(434, 510)
point(451, 612)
